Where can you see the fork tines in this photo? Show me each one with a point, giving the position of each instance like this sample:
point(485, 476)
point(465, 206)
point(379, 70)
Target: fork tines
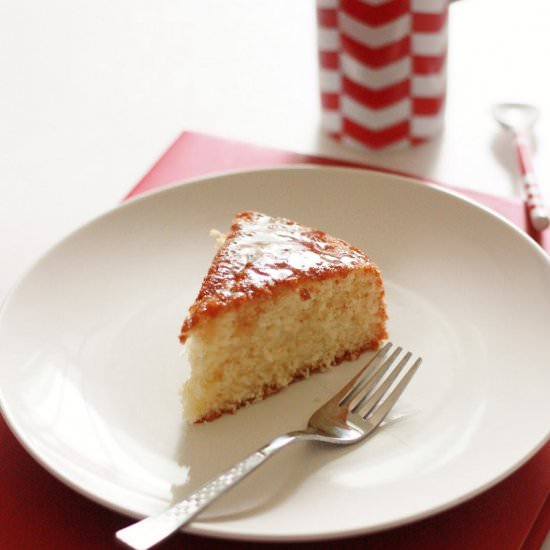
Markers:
point(374, 381)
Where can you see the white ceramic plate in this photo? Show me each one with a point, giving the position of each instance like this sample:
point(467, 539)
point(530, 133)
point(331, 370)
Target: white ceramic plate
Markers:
point(90, 363)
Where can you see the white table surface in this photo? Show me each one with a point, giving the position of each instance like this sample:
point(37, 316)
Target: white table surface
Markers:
point(93, 92)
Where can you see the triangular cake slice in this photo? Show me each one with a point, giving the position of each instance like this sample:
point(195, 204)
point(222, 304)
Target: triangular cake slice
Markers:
point(279, 301)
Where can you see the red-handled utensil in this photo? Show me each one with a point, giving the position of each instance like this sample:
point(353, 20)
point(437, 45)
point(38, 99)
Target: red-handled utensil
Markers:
point(519, 118)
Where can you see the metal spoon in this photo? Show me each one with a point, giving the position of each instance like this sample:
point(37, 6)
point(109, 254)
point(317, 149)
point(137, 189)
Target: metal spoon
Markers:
point(519, 118)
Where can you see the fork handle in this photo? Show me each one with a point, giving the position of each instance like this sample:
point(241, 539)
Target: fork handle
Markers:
point(150, 531)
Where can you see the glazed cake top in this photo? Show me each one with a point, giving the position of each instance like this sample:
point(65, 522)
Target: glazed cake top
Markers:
point(261, 252)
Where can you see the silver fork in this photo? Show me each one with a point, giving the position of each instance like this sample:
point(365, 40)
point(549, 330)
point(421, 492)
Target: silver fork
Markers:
point(348, 417)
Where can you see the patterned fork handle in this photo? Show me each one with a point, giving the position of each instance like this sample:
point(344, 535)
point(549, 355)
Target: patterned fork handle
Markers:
point(151, 530)
point(533, 198)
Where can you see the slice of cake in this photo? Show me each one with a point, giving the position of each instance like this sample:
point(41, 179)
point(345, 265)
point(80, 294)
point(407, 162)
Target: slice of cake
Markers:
point(279, 301)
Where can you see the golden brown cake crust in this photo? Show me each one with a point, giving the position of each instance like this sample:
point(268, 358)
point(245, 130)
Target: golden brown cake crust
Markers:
point(262, 253)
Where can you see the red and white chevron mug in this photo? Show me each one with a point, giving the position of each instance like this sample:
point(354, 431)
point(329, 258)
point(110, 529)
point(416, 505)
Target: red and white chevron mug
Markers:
point(382, 70)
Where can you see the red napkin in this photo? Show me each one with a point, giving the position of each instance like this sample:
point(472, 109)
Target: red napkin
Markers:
point(39, 512)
